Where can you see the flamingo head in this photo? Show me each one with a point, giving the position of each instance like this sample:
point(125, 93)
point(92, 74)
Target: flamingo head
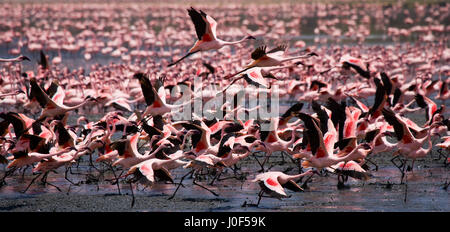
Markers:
point(250, 37)
point(90, 98)
point(365, 146)
point(21, 58)
point(20, 91)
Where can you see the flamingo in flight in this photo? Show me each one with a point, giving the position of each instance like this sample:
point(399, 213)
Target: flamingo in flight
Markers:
point(205, 27)
point(273, 57)
point(53, 107)
point(273, 184)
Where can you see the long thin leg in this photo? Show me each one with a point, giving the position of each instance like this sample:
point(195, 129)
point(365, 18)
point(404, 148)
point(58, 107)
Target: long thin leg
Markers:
point(45, 182)
point(406, 189)
point(262, 167)
point(92, 164)
point(216, 177)
point(67, 178)
point(201, 186)
point(260, 194)
point(181, 181)
point(370, 161)
point(24, 170)
point(32, 181)
point(53, 186)
point(132, 195)
point(182, 58)
point(403, 171)
point(305, 184)
point(115, 177)
point(7, 173)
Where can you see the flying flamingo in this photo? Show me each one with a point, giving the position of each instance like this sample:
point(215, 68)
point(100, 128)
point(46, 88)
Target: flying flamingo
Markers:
point(50, 107)
point(205, 27)
point(273, 184)
point(273, 57)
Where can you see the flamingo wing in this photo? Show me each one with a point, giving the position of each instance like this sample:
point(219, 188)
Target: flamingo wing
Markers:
point(426, 103)
point(353, 169)
point(357, 68)
point(371, 135)
point(259, 52)
point(291, 185)
point(397, 95)
point(380, 97)
point(41, 96)
point(43, 61)
point(163, 174)
point(52, 89)
point(254, 77)
point(211, 25)
point(133, 142)
point(278, 50)
point(199, 22)
point(401, 129)
point(146, 168)
point(150, 130)
point(358, 103)
point(18, 123)
point(271, 183)
point(64, 138)
point(314, 135)
point(147, 88)
point(387, 83)
point(322, 115)
point(297, 107)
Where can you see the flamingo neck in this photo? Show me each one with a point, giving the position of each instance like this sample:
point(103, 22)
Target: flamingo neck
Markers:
point(295, 57)
point(234, 42)
point(77, 106)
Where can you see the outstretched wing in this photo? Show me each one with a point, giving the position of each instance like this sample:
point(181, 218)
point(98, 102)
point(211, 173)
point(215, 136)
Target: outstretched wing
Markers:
point(259, 52)
point(40, 95)
point(199, 22)
point(278, 48)
point(147, 88)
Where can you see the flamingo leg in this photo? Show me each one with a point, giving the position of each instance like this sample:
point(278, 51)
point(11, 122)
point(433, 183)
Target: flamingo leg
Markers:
point(7, 173)
point(406, 189)
point(205, 188)
point(181, 181)
point(262, 167)
point(92, 164)
point(370, 161)
point(45, 182)
point(24, 170)
point(305, 184)
point(132, 194)
point(216, 177)
point(32, 181)
point(116, 178)
point(67, 178)
point(260, 195)
point(403, 171)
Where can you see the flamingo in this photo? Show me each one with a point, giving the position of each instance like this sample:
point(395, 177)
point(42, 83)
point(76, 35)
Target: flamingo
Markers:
point(50, 107)
point(205, 27)
point(273, 184)
point(273, 57)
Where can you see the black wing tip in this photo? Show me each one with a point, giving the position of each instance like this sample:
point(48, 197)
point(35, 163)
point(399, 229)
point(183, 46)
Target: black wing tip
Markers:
point(139, 75)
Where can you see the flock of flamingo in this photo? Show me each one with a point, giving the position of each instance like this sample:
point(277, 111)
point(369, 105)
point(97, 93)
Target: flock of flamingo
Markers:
point(329, 126)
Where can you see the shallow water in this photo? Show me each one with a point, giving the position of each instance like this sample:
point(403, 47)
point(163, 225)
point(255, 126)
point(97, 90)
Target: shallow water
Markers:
point(423, 190)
